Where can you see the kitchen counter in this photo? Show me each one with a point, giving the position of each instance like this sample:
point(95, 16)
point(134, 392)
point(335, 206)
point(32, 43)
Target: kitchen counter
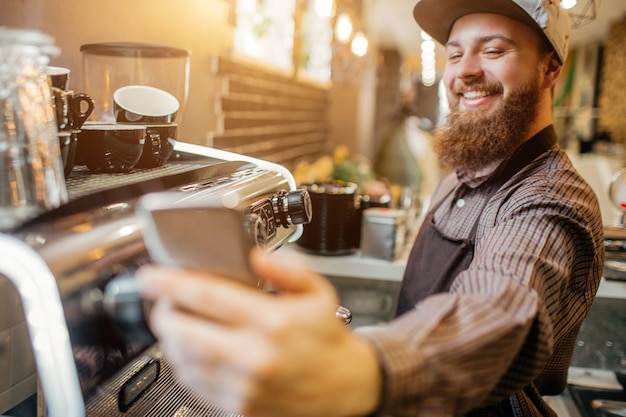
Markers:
point(360, 267)
point(354, 265)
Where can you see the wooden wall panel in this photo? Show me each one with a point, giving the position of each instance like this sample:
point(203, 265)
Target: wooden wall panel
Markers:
point(269, 115)
point(612, 103)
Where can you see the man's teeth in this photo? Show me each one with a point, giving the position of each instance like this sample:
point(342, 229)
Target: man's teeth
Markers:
point(475, 94)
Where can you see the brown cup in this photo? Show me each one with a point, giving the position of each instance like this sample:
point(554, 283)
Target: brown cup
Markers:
point(81, 107)
point(159, 146)
point(65, 140)
point(58, 77)
point(71, 109)
point(68, 166)
point(109, 148)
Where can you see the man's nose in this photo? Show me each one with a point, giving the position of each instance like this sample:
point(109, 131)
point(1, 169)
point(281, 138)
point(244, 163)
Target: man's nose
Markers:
point(469, 67)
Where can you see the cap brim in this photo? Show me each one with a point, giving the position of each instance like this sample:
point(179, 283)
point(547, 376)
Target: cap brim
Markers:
point(436, 17)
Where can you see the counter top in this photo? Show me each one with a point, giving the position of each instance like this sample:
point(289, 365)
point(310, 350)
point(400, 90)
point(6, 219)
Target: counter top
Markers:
point(354, 265)
point(358, 266)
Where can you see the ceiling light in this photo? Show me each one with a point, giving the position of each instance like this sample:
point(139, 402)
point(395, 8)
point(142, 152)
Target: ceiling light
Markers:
point(581, 12)
point(359, 44)
point(428, 46)
point(324, 8)
point(343, 27)
point(568, 4)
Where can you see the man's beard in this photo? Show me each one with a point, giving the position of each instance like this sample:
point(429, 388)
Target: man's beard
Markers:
point(472, 139)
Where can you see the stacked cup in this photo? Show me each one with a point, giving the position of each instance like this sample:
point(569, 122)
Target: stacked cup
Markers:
point(154, 108)
point(71, 110)
point(142, 136)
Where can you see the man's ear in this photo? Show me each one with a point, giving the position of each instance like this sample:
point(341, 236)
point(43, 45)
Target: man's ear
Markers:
point(552, 70)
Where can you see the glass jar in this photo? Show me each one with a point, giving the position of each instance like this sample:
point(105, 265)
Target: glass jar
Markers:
point(31, 169)
point(112, 65)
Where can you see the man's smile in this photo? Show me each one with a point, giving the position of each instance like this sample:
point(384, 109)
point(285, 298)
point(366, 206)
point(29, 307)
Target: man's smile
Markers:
point(478, 95)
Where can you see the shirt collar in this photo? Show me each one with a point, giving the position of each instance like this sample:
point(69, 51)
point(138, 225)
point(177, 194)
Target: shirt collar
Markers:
point(474, 179)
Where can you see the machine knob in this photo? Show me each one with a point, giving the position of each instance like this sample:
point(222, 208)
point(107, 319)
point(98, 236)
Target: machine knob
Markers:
point(256, 227)
point(292, 207)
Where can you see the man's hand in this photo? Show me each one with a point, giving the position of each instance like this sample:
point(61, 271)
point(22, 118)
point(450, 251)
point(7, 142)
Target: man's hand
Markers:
point(258, 353)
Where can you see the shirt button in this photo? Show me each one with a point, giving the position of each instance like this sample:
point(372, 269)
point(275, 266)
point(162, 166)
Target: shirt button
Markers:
point(460, 203)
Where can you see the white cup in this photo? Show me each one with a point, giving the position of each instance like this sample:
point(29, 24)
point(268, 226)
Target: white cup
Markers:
point(144, 104)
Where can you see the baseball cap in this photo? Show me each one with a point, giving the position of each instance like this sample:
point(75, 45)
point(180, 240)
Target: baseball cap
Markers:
point(436, 17)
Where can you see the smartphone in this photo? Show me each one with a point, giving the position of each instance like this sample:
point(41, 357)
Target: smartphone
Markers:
point(203, 238)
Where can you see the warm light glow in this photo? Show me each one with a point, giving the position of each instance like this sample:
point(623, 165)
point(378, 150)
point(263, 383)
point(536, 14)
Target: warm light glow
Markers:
point(428, 78)
point(430, 65)
point(428, 46)
point(568, 4)
point(344, 27)
point(324, 8)
point(429, 73)
point(428, 55)
point(359, 44)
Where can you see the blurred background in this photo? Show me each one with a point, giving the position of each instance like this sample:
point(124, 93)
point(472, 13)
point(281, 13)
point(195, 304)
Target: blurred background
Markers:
point(289, 81)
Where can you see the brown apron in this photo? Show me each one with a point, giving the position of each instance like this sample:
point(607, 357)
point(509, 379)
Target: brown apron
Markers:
point(435, 259)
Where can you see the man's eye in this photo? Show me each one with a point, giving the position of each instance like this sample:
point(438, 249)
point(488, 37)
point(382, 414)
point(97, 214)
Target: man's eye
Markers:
point(493, 52)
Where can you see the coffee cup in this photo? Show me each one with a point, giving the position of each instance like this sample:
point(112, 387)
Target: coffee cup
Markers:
point(65, 140)
point(144, 104)
point(68, 141)
point(70, 109)
point(58, 77)
point(81, 107)
point(110, 148)
point(159, 145)
point(68, 164)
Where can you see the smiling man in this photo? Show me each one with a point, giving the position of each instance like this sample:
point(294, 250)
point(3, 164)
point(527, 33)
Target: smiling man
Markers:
point(504, 269)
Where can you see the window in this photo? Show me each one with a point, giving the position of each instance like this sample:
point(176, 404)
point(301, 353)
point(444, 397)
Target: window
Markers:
point(265, 30)
point(316, 40)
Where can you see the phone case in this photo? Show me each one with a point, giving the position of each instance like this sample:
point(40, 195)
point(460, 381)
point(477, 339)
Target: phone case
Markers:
point(203, 238)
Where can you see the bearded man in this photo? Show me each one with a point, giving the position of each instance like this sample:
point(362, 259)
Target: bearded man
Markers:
point(503, 271)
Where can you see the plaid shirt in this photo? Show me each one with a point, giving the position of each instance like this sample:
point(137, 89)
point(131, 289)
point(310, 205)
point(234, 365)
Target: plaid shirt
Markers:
point(503, 335)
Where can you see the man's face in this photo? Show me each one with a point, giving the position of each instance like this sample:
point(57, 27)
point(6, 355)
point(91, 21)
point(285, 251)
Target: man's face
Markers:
point(493, 80)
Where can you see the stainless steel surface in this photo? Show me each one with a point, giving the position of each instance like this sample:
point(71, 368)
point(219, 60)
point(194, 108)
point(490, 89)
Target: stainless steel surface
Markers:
point(73, 268)
point(369, 301)
point(609, 408)
point(344, 315)
point(383, 233)
point(601, 348)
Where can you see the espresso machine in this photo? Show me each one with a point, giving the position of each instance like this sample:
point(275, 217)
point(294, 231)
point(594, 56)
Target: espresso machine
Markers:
point(72, 269)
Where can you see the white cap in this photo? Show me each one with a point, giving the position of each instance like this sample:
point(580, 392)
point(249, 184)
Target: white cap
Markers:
point(436, 17)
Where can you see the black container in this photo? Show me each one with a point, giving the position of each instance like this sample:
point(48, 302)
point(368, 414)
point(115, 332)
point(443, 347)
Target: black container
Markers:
point(159, 145)
point(335, 227)
point(110, 148)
